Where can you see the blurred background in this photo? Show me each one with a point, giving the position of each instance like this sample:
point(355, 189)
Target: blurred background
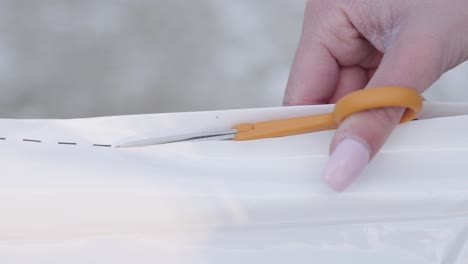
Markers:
point(66, 59)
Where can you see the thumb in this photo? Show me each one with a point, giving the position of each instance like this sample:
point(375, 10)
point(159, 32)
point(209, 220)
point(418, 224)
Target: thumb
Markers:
point(410, 62)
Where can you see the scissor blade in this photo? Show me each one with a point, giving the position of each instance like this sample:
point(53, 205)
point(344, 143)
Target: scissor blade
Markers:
point(217, 135)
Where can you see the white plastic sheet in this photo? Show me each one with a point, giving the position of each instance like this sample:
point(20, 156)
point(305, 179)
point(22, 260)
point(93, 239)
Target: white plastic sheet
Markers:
point(257, 201)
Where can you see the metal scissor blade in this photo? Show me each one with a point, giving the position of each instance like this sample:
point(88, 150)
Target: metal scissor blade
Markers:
point(203, 136)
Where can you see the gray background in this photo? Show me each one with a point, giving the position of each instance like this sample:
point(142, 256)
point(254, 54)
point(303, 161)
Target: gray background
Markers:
point(63, 59)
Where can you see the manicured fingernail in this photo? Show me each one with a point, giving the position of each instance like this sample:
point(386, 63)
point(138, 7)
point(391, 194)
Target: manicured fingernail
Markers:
point(346, 163)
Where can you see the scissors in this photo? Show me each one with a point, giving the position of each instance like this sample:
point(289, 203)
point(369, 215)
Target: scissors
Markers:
point(361, 100)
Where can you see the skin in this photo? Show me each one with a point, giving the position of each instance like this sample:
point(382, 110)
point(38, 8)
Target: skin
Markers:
point(350, 45)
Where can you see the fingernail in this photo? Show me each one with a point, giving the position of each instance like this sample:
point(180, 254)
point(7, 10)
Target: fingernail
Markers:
point(346, 163)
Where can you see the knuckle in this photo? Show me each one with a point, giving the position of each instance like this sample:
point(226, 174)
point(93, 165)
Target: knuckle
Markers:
point(371, 126)
point(386, 115)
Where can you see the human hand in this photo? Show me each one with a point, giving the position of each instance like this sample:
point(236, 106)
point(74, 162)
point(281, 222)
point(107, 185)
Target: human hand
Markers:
point(350, 45)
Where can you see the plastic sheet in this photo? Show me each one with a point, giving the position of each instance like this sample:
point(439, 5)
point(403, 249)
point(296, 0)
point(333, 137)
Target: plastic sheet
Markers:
point(67, 197)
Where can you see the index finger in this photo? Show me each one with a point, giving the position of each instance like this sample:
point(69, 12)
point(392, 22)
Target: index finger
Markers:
point(314, 72)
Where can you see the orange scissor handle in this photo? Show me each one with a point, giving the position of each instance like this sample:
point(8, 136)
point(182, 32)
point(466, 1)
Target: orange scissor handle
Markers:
point(361, 100)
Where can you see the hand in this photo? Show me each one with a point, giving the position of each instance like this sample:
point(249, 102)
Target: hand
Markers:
point(350, 45)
